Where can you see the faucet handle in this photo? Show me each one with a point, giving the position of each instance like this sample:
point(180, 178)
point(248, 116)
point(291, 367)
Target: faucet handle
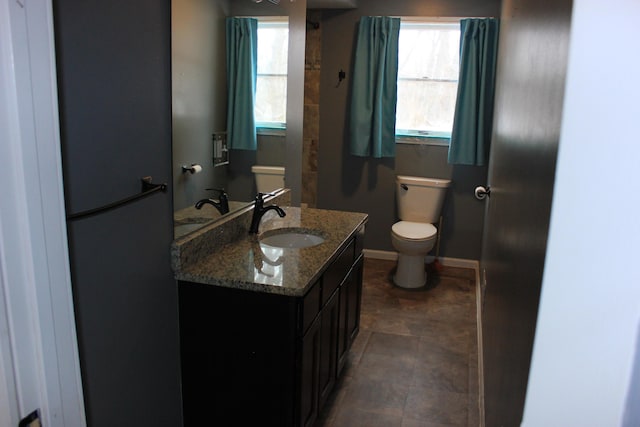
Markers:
point(219, 190)
point(223, 197)
point(261, 195)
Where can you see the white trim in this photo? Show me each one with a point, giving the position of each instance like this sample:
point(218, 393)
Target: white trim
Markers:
point(8, 395)
point(267, 131)
point(447, 262)
point(455, 262)
point(423, 140)
point(22, 385)
point(376, 254)
point(416, 20)
point(41, 364)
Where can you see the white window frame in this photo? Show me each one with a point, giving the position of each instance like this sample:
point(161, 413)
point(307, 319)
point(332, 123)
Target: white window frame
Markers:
point(272, 128)
point(408, 136)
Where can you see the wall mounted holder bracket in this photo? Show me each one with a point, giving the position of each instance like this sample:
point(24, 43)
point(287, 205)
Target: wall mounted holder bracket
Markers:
point(148, 188)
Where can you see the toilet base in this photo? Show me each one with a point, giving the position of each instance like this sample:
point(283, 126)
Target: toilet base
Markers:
point(411, 272)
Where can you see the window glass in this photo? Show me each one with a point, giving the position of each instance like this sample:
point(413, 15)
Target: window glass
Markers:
point(271, 86)
point(428, 63)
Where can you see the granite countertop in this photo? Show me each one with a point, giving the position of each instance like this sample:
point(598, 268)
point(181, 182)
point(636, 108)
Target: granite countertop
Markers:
point(245, 263)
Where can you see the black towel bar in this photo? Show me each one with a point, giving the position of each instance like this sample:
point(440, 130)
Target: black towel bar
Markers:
point(148, 188)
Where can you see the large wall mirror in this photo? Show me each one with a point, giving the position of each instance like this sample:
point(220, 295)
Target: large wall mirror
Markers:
point(199, 109)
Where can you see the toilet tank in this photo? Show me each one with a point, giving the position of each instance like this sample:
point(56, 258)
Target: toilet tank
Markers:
point(268, 178)
point(420, 199)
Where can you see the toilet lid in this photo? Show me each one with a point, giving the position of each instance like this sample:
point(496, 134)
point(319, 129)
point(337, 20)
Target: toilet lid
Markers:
point(414, 230)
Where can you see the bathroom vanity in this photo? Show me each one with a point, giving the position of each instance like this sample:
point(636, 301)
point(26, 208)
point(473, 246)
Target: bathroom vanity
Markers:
point(265, 330)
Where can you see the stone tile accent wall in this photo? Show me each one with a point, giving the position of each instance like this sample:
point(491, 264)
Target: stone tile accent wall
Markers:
point(311, 129)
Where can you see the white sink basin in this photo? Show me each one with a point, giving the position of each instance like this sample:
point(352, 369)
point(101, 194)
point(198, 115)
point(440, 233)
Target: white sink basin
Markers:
point(291, 239)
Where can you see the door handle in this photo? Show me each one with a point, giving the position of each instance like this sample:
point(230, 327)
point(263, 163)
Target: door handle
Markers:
point(482, 192)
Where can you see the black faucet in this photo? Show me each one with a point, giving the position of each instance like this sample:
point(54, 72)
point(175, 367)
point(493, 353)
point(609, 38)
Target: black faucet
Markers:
point(259, 210)
point(222, 204)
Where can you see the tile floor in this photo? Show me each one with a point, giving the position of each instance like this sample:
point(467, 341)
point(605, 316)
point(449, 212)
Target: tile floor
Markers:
point(415, 361)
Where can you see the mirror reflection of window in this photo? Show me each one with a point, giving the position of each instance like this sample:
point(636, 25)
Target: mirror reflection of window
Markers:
point(271, 91)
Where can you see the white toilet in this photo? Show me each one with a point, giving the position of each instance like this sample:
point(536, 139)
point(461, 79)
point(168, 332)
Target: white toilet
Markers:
point(419, 204)
point(268, 178)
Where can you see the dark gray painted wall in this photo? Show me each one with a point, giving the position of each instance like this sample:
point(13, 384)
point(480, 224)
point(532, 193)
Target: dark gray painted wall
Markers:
point(114, 83)
point(270, 152)
point(199, 95)
point(367, 185)
point(534, 42)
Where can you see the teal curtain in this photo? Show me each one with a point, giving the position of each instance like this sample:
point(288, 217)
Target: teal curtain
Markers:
point(471, 134)
point(374, 81)
point(242, 69)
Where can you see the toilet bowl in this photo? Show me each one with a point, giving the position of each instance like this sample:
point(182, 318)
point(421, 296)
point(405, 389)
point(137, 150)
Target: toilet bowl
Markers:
point(419, 204)
point(413, 241)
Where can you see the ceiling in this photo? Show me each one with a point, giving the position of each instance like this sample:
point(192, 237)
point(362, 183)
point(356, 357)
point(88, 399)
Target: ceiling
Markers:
point(332, 4)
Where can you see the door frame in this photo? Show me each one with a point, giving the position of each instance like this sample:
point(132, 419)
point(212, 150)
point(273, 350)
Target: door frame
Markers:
point(39, 362)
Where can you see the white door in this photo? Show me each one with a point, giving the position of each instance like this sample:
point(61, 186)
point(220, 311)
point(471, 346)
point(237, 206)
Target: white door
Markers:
point(39, 366)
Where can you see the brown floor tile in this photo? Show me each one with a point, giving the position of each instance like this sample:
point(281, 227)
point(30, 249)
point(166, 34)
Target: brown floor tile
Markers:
point(437, 406)
point(414, 362)
point(442, 371)
point(391, 369)
point(374, 396)
point(445, 337)
point(360, 418)
point(359, 345)
point(473, 414)
point(410, 422)
point(391, 345)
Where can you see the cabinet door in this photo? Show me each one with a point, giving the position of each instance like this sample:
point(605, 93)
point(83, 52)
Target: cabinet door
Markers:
point(309, 369)
point(349, 322)
point(354, 301)
point(328, 348)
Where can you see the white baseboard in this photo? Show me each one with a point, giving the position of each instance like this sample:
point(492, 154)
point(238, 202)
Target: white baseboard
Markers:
point(375, 254)
point(446, 261)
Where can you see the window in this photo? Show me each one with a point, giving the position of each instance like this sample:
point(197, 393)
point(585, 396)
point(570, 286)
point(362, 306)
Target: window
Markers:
point(428, 63)
point(271, 87)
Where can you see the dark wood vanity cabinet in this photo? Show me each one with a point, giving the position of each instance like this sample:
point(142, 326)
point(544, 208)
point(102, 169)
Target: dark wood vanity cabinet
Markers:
point(349, 317)
point(308, 375)
point(253, 358)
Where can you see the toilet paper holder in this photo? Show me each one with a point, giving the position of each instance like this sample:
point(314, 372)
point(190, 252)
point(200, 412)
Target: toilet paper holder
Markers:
point(194, 168)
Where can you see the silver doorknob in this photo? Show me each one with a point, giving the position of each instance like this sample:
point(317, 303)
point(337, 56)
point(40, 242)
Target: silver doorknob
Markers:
point(482, 192)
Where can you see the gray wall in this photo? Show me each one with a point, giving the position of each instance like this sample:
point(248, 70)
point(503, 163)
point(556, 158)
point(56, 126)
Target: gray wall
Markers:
point(199, 95)
point(532, 63)
point(368, 185)
point(270, 152)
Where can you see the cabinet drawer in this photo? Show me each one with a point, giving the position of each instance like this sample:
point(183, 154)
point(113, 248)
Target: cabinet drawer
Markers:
point(335, 274)
point(310, 307)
